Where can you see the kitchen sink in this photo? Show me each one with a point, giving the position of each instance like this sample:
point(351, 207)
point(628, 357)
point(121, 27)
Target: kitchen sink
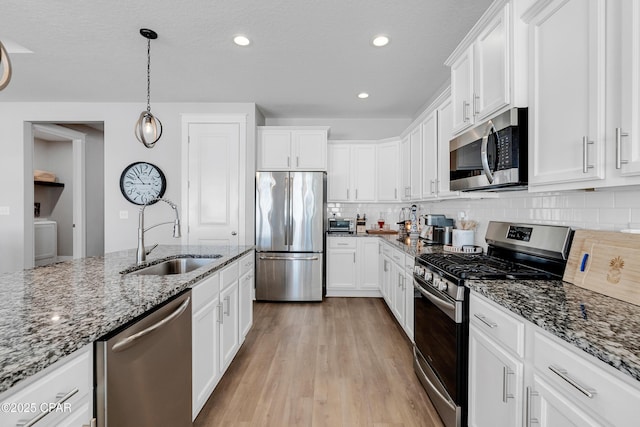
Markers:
point(175, 266)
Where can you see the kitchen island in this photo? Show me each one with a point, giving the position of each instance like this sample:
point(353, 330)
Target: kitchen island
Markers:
point(47, 313)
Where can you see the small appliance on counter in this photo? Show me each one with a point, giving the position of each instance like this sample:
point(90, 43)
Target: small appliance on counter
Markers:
point(361, 224)
point(341, 225)
point(437, 229)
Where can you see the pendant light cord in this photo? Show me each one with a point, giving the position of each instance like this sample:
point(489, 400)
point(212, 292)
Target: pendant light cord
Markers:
point(148, 75)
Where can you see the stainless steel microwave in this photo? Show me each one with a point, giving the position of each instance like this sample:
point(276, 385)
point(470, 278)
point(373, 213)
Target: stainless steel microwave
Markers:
point(491, 156)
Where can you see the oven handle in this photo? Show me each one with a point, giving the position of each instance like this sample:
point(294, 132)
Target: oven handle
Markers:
point(447, 307)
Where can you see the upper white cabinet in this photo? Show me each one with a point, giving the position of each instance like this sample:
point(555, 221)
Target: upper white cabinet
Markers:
point(585, 94)
point(430, 155)
point(415, 138)
point(292, 148)
point(388, 178)
point(351, 173)
point(488, 68)
point(405, 168)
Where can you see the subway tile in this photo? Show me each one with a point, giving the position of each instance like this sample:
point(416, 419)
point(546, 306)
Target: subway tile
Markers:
point(596, 199)
point(614, 216)
point(627, 199)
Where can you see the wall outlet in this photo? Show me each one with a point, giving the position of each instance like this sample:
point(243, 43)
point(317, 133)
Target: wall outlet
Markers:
point(4, 210)
point(462, 215)
point(124, 214)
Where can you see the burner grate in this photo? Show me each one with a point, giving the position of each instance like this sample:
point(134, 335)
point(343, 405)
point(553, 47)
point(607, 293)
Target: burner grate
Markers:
point(463, 266)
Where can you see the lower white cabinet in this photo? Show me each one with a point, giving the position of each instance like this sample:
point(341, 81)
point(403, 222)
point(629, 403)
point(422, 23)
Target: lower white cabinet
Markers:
point(408, 296)
point(68, 383)
point(552, 384)
point(396, 284)
point(352, 266)
point(222, 314)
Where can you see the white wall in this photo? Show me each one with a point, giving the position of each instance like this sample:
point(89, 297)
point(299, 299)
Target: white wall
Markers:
point(350, 129)
point(120, 149)
point(600, 210)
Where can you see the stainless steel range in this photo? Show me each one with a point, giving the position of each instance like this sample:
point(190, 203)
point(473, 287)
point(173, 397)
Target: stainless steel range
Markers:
point(515, 251)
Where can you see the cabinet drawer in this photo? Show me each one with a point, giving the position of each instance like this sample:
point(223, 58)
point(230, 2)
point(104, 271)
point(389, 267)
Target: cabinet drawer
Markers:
point(409, 262)
point(229, 275)
point(204, 291)
point(611, 398)
point(387, 249)
point(246, 263)
point(496, 323)
point(397, 257)
point(72, 378)
point(342, 242)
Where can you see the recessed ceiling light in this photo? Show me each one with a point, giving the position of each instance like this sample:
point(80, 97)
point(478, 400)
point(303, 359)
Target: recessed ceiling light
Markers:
point(379, 41)
point(241, 40)
point(363, 95)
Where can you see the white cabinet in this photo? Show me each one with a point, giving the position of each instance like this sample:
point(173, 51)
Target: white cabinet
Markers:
point(567, 92)
point(430, 156)
point(222, 314)
point(409, 301)
point(387, 171)
point(246, 296)
point(205, 363)
point(341, 264)
point(415, 138)
point(488, 68)
point(496, 365)
point(548, 382)
point(405, 168)
point(627, 143)
point(68, 383)
point(352, 266)
point(351, 173)
point(292, 148)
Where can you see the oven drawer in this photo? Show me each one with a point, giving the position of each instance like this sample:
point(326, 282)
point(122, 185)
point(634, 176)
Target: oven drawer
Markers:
point(496, 323)
point(576, 377)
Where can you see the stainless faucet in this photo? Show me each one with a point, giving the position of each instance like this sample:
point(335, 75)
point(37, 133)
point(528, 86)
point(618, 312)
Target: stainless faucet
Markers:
point(141, 253)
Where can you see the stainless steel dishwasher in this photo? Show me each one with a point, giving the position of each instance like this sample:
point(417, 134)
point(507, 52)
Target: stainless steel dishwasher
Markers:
point(143, 372)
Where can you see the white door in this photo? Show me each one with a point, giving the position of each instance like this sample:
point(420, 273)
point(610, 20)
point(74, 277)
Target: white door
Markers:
point(409, 303)
point(230, 325)
point(445, 123)
point(567, 88)
point(274, 150)
point(309, 150)
point(416, 163)
point(338, 173)
point(246, 303)
point(397, 282)
point(205, 353)
point(405, 149)
point(213, 183)
point(341, 269)
point(367, 262)
point(628, 152)
point(430, 156)
point(387, 164)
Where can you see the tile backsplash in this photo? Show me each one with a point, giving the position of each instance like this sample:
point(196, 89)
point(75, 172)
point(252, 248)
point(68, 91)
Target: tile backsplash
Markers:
point(601, 210)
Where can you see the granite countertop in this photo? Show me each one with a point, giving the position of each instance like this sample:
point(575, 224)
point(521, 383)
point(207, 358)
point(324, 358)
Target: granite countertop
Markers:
point(49, 312)
point(607, 328)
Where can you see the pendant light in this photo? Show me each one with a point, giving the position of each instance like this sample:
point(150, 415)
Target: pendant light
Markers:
point(5, 67)
point(148, 127)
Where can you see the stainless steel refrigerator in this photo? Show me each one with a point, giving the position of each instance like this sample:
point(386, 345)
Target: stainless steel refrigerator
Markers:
point(290, 218)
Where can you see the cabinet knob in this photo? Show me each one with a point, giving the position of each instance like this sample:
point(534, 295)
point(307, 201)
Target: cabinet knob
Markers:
point(233, 233)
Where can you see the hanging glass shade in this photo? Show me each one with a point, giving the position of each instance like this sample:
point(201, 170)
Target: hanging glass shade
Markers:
point(5, 67)
point(148, 128)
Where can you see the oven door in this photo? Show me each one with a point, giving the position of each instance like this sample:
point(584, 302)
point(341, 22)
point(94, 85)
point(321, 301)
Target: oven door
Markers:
point(441, 351)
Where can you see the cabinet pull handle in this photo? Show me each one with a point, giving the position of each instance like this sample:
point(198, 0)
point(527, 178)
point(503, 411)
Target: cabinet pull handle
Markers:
point(288, 161)
point(385, 265)
point(432, 183)
point(562, 373)
point(528, 403)
point(437, 181)
point(465, 116)
point(486, 321)
point(220, 318)
point(354, 257)
point(585, 154)
point(475, 107)
point(62, 397)
point(395, 193)
point(297, 161)
point(356, 194)
point(343, 244)
point(347, 194)
point(228, 300)
point(619, 135)
point(505, 384)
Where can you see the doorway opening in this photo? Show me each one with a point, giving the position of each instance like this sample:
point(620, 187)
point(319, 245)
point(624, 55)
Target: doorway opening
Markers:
point(65, 175)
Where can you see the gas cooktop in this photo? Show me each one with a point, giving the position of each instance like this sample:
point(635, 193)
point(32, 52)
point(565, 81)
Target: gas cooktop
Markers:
point(478, 266)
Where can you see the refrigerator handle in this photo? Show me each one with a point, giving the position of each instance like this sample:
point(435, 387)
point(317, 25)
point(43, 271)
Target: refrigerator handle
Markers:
point(290, 222)
point(286, 211)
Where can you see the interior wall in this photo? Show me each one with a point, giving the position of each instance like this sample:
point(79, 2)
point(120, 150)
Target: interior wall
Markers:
point(120, 149)
point(611, 210)
point(349, 129)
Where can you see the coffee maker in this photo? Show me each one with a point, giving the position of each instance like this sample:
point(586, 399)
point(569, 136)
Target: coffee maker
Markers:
point(437, 229)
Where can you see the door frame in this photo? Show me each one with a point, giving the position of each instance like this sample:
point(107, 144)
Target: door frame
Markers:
point(78, 141)
point(241, 119)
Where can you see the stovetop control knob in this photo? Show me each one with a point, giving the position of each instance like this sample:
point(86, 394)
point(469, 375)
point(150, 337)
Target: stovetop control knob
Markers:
point(442, 285)
point(428, 276)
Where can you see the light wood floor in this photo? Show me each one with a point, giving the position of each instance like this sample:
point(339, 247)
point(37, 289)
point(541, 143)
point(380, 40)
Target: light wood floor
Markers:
point(343, 362)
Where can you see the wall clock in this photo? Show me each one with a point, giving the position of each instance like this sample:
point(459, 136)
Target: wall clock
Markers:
point(141, 182)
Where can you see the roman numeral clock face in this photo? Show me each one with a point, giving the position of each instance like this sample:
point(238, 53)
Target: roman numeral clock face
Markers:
point(141, 182)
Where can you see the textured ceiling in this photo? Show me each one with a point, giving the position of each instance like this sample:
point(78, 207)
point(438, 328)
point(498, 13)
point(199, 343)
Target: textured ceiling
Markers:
point(308, 58)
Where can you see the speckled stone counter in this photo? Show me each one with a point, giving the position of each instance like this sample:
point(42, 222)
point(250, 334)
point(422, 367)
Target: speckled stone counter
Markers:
point(413, 247)
point(49, 312)
point(607, 328)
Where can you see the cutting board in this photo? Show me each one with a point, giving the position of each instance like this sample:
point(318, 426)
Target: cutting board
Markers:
point(382, 231)
point(606, 262)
